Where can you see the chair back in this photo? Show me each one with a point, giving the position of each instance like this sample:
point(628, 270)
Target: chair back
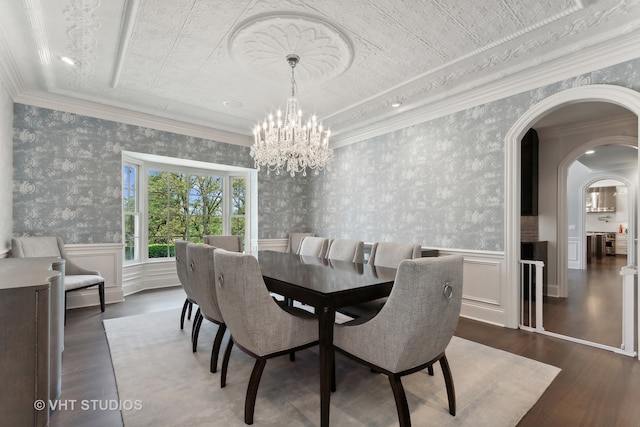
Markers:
point(314, 246)
point(228, 243)
point(346, 250)
point(255, 320)
point(201, 277)
point(389, 254)
point(422, 311)
point(50, 246)
point(182, 267)
point(37, 246)
point(293, 245)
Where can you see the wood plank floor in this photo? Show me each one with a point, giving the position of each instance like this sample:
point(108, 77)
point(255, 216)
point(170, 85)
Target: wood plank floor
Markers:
point(595, 387)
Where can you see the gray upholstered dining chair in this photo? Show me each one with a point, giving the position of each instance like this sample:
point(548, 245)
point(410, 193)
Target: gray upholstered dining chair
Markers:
point(75, 277)
point(293, 244)
point(314, 246)
point(390, 254)
point(258, 325)
point(411, 332)
point(346, 250)
point(181, 268)
point(201, 274)
point(383, 254)
point(228, 243)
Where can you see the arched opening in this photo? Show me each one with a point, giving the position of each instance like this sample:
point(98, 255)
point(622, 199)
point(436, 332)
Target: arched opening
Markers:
point(623, 97)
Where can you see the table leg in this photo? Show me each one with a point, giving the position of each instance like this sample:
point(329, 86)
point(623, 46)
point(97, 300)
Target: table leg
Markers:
point(327, 317)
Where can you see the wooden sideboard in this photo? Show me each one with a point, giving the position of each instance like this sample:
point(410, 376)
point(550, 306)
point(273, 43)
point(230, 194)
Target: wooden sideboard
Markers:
point(31, 337)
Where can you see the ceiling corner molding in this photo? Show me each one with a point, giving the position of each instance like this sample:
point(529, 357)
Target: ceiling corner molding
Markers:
point(501, 86)
point(100, 111)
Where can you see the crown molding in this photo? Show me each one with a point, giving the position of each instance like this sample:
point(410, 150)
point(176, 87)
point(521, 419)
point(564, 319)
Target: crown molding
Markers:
point(122, 115)
point(528, 76)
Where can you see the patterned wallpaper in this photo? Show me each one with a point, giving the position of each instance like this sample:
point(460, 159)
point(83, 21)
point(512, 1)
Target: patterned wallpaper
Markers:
point(438, 183)
point(67, 175)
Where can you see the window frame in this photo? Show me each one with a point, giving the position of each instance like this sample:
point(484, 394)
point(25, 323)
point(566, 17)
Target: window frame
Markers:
point(144, 163)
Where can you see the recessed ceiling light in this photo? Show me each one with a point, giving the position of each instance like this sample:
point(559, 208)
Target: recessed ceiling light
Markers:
point(589, 152)
point(67, 60)
point(396, 104)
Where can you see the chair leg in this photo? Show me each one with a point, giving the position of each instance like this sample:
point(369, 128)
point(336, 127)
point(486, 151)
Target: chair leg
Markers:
point(190, 307)
point(225, 363)
point(101, 294)
point(252, 389)
point(404, 417)
point(185, 306)
point(197, 322)
point(217, 343)
point(448, 380)
point(333, 374)
point(430, 370)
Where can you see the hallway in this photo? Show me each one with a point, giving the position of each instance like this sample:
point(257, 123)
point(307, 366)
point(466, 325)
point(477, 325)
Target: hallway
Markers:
point(593, 311)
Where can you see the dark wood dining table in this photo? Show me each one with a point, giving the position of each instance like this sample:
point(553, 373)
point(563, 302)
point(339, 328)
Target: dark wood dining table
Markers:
point(325, 285)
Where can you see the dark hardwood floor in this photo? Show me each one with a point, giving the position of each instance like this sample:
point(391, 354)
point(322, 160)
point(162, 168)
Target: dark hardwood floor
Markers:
point(593, 310)
point(595, 387)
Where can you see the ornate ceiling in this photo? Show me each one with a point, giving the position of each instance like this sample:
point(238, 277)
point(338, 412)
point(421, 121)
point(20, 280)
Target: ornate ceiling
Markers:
point(215, 68)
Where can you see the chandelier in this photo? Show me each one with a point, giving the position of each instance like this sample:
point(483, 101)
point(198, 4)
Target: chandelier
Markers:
point(286, 143)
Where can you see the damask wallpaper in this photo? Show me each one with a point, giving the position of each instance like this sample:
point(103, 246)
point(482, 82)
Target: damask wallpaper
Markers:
point(67, 176)
point(438, 183)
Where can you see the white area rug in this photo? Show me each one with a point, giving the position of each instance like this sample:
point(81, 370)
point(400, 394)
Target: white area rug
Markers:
point(154, 365)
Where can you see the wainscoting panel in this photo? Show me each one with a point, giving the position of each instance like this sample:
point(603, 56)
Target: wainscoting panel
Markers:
point(483, 289)
point(152, 275)
point(107, 259)
point(573, 253)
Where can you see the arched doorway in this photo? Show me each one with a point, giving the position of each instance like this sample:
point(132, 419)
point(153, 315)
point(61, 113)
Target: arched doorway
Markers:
point(624, 97)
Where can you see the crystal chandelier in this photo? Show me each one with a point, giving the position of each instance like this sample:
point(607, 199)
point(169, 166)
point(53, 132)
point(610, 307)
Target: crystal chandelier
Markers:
point(286, 143)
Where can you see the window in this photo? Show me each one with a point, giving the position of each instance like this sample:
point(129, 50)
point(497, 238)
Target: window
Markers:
point(165, 202)
point(131, 213)
point(238, 206)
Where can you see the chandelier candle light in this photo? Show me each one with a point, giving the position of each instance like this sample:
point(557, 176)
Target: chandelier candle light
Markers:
point(285, 143)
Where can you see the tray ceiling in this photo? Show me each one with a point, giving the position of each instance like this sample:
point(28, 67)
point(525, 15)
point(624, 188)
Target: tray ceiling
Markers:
point(221, 65)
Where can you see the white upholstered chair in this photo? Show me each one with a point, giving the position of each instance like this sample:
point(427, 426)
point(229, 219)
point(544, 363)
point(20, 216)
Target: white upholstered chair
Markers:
point(411, 332)
point(346, 250)
point(293, 244)
point(201, 274)
point(258, 325)
point(314, 246)
point(390, 254)
point(75, 277)
point(228, 243)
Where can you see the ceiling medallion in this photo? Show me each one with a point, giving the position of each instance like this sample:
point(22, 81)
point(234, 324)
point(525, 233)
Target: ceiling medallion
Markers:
point(259, 44)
